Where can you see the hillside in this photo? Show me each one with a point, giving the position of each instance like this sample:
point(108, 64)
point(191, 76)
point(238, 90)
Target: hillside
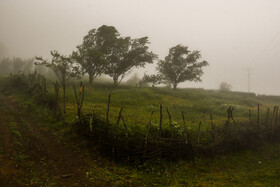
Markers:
point(31, 137)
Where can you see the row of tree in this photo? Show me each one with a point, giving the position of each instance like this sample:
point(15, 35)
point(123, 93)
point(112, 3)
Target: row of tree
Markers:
point(105, 51)
point(15, 65)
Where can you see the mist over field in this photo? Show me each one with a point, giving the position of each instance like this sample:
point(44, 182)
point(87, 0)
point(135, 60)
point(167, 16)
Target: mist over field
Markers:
point(233, 36)
point(139, 93)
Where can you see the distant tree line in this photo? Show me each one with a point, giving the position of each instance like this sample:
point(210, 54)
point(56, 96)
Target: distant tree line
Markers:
point(15, 66)
point(105, 51)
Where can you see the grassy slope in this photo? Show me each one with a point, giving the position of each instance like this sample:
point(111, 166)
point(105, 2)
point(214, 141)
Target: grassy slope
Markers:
point(236, 169)
point(258, 167)
point(139, 102)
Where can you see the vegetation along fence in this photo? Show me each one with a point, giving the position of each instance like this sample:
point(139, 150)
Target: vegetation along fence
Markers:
point(116, 140)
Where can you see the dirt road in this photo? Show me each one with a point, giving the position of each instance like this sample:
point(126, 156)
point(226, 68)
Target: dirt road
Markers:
point(31, 155)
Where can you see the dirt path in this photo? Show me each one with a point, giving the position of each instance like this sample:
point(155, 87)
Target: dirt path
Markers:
point(31, 155)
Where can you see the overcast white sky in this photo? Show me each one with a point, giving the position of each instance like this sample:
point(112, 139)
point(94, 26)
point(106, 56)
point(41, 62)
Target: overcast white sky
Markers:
point(232, 35)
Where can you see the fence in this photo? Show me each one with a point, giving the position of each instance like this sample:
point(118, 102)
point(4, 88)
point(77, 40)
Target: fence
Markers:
point(116, 140)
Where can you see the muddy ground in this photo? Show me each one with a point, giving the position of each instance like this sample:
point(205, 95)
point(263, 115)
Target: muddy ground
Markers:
point(31, 155)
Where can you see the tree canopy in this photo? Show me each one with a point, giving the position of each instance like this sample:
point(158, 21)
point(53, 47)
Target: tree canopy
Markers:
point(122, 53)
point(89, 55)
point(62, 66)
point(180, 65)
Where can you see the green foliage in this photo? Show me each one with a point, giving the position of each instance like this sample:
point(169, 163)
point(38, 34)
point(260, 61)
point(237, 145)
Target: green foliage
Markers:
point(122, 53)
point(257, 168)
point(225, 87)
point(134, 80)
point(63, 67)
point(154, 79)
point(181, 65)
point(6, 66)
point(90, 55)
point(14, 129)
point(16, 65)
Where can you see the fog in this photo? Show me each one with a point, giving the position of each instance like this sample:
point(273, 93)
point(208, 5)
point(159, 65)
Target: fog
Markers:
point(232, 35)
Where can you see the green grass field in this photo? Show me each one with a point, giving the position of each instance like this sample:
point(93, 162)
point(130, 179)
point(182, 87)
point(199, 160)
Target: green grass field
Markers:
point(138, 103)
point(258, 167)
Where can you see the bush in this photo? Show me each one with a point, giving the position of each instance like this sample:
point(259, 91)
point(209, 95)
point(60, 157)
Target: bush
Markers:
point(225, 87)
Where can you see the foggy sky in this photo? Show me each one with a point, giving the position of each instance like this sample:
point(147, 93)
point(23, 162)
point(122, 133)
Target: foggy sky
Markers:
point(232, 35)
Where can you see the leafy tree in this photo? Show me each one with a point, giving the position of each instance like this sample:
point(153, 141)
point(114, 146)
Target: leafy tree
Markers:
point(28, 65)
point(22, 65)
point(180, 65)
point(89, 55)
point(63, 67)
point(122, 53)
point(154, 79)
point(16, 65)
point(225, 87)
point(133, 80)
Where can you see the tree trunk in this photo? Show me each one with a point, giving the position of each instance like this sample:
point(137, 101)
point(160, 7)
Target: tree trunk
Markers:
point(90, 78)
point(115, 81)
point(174, 85)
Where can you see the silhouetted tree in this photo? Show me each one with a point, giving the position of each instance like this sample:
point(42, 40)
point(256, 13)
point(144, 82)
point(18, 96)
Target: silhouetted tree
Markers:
point(90, 56)
point(122, 53)
point(225, 87)
point(16, 65)
point(180, 65)
point(63, 67)
point(154, 79)
point(22, 65)
point(133, 80)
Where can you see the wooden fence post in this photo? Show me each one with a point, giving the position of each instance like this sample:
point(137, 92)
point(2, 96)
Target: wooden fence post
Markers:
point(170, 122)
point(108, 108)
point(250, 116)
point(126, 136)
point(160, 121)
point(212, 132)
point(198, 130)
point(230, 115)
point(267, 115)
point(147, 134)
point(185, 128)
point(258, 118)
point(116, 133)
point(273, 117)
point(276, 116)
point(80, 99)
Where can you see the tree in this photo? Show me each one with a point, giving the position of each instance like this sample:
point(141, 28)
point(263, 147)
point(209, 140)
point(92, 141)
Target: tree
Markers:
point(22, 65)
point(225, 87)
point(16, 65)
point(89, 55)
point(63, 67)
point(122, 53)
point(154, 79)
point(133, 80)
point(180, 65)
